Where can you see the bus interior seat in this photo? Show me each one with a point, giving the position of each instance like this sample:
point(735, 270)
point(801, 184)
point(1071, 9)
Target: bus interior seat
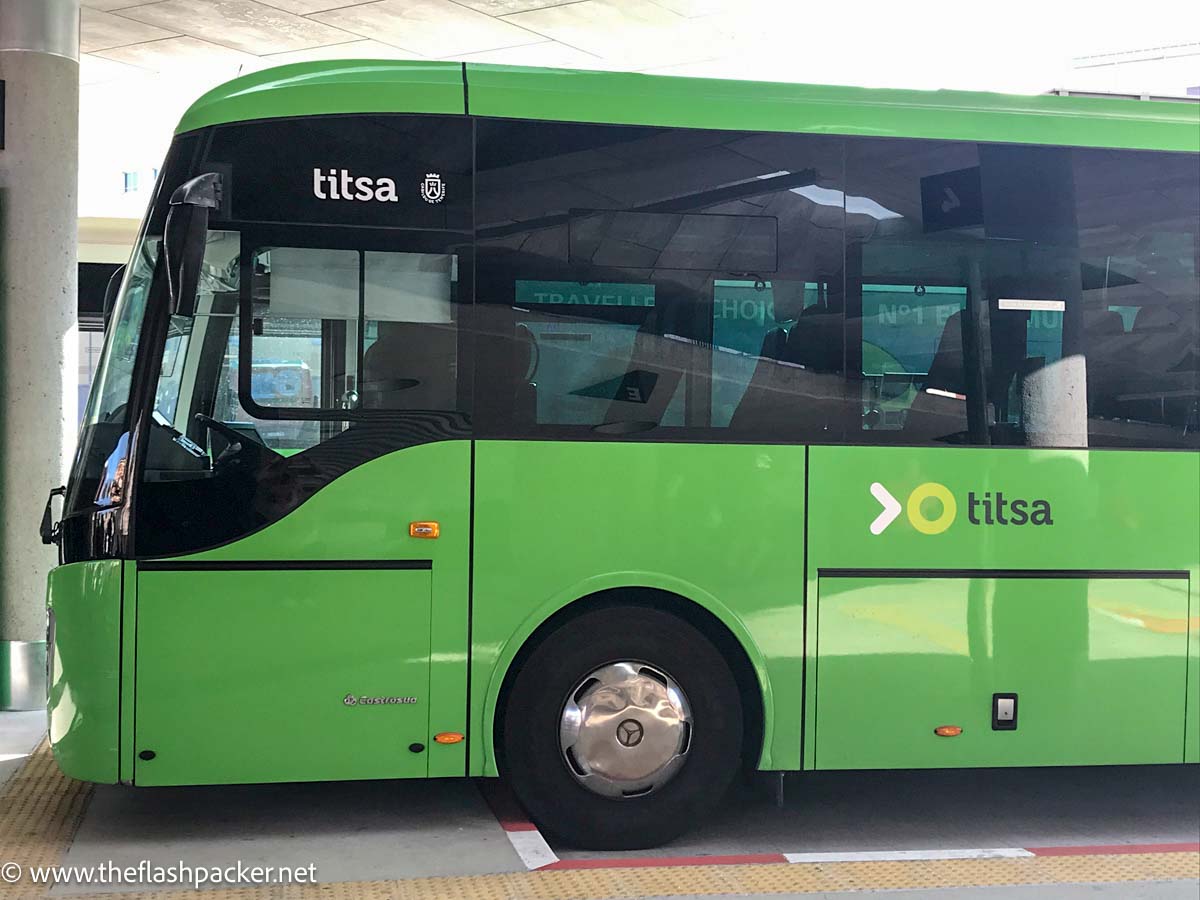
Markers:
point(815, 341)
point(1158, 344)
point(1163, 334)
point(773, 343)
point(411, 366)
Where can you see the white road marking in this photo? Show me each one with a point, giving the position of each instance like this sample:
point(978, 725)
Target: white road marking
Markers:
point(900, 855)
point(532, 848)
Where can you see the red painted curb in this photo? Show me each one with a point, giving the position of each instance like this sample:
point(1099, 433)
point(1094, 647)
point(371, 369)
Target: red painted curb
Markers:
point(512, 818)
point(1110, 849)
point(644, 862)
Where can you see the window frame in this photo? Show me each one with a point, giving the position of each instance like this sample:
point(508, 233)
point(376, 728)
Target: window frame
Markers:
point(327, 237)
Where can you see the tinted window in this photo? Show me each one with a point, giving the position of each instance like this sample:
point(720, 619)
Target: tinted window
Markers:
point(632, 280)
point(666, 283)
point(1000, 304)
point(1139, 236)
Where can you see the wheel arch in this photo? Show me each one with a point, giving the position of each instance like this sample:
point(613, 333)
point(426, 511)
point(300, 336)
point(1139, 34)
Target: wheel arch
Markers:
point(703, 611)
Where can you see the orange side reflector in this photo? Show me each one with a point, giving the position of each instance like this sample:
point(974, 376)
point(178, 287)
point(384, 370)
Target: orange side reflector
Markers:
point(948, 730)
point(424, 529)
point(447, 737)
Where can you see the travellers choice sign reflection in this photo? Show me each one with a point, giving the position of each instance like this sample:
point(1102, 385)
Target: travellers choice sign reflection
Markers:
point(575, 293)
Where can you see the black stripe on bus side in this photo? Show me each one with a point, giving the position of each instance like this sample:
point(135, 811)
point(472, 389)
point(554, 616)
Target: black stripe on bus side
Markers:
point(264, 565)
point(1002, 573)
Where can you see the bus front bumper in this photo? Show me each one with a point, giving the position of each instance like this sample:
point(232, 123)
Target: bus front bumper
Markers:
point(84, 702)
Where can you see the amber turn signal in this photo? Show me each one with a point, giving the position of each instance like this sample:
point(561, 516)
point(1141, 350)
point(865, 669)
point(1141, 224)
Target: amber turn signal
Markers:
point(447, 737)
point(948, 730)
point(424, 529)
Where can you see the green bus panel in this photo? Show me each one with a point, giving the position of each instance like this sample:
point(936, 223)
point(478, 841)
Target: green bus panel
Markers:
point(1082, 514)
point(364, 516)
point(84, 600)
point(625, 98)
point(1108, 509)
point(281, 675)
point(718, 526)
point(634, 99)
point(329, 88)
point(1098, 666)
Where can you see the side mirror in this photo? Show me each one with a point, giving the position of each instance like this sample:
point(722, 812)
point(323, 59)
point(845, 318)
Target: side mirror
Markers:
point(110, 292)
point(183, 239)
point(50, 530)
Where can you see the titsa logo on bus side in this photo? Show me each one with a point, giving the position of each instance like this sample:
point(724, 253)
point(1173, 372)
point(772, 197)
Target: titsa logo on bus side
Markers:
point(340, 184)
point(986, 509)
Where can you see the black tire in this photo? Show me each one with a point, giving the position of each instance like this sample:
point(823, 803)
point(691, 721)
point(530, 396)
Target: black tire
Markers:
point(532, 758)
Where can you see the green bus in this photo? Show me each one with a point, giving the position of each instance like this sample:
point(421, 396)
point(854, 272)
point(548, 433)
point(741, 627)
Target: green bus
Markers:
point(615, 434)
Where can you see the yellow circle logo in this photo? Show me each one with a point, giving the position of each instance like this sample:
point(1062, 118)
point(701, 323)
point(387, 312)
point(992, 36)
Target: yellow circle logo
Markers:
point(926, 491)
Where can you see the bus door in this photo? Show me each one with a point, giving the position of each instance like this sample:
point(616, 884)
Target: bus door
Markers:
point(310, 560)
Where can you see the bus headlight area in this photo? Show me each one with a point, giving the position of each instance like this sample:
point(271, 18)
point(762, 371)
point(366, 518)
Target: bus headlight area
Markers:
point(485, 484)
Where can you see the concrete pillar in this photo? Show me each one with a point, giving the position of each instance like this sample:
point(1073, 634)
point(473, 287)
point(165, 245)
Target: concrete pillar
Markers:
point(39, 165)
point(1054, 402)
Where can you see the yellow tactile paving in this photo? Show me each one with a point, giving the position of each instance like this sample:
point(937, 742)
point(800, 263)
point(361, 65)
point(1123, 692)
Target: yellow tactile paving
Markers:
point(40, 809)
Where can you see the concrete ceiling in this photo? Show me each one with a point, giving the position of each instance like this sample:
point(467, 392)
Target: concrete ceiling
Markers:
point(930, 43)
point(144, 61)
point(166, 35)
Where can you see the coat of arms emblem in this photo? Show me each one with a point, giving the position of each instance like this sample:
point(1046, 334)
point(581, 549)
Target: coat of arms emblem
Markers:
point(433, 189)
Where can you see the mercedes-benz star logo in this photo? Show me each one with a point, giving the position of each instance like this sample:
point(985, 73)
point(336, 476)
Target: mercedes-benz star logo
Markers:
point(630, 733)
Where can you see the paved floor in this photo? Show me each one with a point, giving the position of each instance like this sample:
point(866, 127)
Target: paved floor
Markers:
point(914, 810)
point(439, 838)
point(352, 831)
point(19, 734)
point(1163, 890)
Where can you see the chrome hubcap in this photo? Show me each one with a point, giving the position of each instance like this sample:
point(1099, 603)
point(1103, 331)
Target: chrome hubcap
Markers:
point(625, 730)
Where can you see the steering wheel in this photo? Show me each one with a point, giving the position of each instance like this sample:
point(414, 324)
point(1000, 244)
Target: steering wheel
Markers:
point(232, 434)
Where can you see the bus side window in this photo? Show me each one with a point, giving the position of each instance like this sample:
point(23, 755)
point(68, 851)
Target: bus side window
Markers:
point(338, 331)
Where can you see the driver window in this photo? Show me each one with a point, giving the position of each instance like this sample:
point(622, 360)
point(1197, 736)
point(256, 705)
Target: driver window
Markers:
point(299, 364)
point(334, 334)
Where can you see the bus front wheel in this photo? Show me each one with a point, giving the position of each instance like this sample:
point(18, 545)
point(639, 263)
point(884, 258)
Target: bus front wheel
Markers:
point(622, 728)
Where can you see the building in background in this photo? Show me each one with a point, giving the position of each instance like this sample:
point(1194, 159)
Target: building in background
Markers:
point(1172, 70)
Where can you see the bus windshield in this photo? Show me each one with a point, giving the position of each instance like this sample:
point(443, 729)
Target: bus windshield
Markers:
point(99, 476)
